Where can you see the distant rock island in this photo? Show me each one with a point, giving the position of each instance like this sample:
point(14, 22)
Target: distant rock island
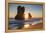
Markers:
point(29, 16)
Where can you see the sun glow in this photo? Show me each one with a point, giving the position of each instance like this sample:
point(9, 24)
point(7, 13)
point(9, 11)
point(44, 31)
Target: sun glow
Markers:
point(26, 16)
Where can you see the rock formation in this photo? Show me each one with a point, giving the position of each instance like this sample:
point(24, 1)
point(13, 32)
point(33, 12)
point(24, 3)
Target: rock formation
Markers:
point(20, 13)
point(29, 16)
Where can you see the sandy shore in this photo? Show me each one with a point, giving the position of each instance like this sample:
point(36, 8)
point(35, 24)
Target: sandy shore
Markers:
point(35, 27)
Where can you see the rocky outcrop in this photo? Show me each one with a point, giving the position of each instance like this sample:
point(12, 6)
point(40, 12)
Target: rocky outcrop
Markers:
point(29, 16)
point(20, 13)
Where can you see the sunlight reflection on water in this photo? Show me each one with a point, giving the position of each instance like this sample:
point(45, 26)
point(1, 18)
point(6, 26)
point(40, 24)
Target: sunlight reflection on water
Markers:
point(16, 23)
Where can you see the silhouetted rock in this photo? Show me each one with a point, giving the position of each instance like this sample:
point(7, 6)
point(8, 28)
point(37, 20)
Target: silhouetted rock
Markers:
point(20, 13)
point(29, 16)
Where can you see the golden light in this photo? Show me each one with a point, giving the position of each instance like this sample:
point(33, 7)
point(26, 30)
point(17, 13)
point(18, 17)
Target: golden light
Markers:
point(26, 16)
point(26, 26)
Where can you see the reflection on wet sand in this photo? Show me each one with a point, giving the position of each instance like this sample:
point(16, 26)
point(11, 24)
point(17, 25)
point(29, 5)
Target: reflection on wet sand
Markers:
point(27, 27)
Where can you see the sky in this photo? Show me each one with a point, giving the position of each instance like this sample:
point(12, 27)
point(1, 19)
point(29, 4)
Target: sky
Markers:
point(34, 10)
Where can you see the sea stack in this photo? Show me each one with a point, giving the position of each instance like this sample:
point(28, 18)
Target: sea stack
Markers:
point(29, 16)
point(20, 13)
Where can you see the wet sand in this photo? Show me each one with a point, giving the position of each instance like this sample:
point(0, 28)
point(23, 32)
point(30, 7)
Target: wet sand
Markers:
point(35, 27)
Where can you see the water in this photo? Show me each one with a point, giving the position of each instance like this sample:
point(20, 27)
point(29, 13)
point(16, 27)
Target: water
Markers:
point(19, 23)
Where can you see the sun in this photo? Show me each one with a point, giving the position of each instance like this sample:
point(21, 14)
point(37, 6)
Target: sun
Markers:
point(26, 16)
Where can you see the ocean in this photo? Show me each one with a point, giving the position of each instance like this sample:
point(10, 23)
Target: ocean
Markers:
point(19, 23)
